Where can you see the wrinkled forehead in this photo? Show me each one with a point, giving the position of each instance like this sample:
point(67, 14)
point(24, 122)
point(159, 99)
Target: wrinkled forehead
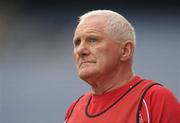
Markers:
point(91, 23)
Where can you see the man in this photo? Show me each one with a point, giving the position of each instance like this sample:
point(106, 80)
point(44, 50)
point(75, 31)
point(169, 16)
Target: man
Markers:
point(104, 43)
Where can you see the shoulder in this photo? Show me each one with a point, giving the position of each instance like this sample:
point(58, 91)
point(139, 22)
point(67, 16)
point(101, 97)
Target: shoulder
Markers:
point(160, 93)
point(162, 104)
point(82, 98)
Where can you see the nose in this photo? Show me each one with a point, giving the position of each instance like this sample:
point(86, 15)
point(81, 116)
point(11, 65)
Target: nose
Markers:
point(82, 49)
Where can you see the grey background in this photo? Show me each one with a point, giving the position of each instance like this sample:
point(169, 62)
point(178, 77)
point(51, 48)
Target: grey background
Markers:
point(38, 80)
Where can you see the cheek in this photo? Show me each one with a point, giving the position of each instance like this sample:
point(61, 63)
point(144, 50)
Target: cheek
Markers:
point(108, 57)
point(103, 58)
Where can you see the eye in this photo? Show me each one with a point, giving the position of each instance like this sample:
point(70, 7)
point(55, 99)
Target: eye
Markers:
point(92, 40)
point(77, 42)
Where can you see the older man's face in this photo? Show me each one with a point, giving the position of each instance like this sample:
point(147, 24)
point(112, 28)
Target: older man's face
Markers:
point(96, 53)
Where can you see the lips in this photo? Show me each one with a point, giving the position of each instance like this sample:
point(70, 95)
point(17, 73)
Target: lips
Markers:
point(86, 62)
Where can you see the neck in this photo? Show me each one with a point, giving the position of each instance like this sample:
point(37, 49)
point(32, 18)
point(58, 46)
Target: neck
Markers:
point(111, 83)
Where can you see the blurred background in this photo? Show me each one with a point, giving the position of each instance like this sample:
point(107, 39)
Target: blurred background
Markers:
point(38, 80)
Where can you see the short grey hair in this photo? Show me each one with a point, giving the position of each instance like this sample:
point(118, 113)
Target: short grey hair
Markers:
point(116, 25)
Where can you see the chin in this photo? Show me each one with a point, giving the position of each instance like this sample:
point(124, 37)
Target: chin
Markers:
point(86, 76)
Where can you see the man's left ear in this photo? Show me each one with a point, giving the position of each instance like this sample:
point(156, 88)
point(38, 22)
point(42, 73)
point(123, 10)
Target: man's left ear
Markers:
point(127, 50)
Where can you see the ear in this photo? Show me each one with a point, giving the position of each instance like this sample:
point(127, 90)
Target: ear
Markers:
point(127, 50)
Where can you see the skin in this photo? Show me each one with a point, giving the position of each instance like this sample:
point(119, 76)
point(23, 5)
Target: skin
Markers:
point(104, 63)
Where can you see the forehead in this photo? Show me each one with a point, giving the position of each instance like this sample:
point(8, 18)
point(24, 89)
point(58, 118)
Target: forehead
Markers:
point(91, 24)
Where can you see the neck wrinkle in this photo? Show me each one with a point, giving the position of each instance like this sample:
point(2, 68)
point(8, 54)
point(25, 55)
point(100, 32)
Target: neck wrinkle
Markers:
point(110, 86)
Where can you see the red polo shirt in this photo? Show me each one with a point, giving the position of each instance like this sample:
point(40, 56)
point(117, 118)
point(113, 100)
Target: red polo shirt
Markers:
point(120, 106)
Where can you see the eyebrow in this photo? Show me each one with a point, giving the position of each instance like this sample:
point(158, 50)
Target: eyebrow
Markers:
point(89, 34)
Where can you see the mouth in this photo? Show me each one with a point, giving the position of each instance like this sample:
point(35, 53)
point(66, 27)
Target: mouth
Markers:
point(86, 62)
